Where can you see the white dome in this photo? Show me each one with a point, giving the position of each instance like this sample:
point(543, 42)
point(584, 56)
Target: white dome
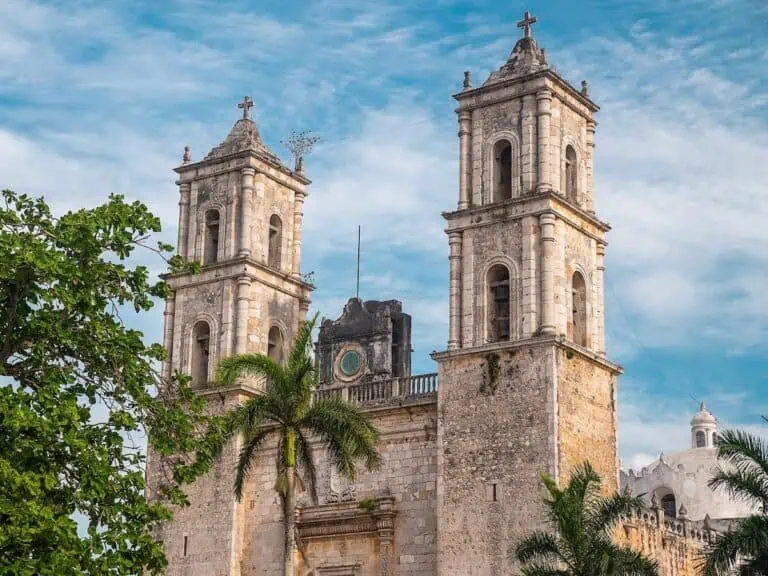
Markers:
point(703, 417)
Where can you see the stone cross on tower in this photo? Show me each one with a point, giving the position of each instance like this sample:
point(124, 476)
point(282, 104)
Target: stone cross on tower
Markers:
point(246, 106)
point(526, 23)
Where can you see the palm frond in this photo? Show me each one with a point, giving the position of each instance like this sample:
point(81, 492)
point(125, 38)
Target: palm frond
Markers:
point(747, 484)
point(538, 546)
point(743, 449)
point(306, 462)
point(628, 562)
point(281, 481)
point(302, 344)
point(749, 540)
point(234, 367)
point(246, 459)
point(347, 434)
point(584, 482)
point(604, 513)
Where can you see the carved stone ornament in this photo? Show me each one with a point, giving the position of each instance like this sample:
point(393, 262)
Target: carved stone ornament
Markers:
point(339, 488)
point(212, 190)
point(201, 299)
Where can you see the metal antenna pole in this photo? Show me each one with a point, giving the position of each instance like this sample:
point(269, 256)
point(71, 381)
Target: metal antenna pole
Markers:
point(357, 289)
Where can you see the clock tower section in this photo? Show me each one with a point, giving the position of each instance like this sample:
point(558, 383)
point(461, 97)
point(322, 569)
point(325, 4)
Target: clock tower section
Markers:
point(240, 217)
point(525, 387)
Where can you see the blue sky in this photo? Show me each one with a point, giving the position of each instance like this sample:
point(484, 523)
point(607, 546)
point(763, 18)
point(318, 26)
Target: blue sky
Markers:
point(99, 97)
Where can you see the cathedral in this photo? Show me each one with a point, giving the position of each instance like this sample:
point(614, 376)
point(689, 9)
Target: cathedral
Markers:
point(522, 387)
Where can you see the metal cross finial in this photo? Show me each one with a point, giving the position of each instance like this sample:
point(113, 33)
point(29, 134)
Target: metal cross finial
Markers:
point(526, 23)
point(246, 106)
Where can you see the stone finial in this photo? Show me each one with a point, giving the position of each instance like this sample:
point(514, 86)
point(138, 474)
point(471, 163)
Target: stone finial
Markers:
point(467, 80)
point(187, 158)
point(661, 456)
point(683, 512)
point(707, 522)
point(654, 502)
point(584, 88)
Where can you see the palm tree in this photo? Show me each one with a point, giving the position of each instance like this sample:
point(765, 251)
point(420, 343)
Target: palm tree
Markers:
point(583, 522)
point(285, 409)
point(743, 472)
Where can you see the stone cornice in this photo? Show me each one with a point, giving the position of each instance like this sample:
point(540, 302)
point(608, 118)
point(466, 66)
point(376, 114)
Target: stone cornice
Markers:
point(551, 195)
point(234, 268)
point(547, 73)
point(250, 153)
point(548, 340)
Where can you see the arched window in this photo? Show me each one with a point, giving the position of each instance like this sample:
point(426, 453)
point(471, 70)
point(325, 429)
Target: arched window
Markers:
point(275, 344)
point(701, 439)
point(578, 324)
point(499, 304)
point(201, 335)
point(275, 241)
point(669, 505)
point(571, 174)
point(502, 171)
point(210, 253)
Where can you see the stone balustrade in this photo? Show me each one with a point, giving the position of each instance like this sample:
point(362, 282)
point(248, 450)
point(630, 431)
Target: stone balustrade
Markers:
point(382, 391)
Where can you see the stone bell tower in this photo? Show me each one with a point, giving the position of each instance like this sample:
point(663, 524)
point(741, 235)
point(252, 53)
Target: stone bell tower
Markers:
point(525, 387)
point(240, 216)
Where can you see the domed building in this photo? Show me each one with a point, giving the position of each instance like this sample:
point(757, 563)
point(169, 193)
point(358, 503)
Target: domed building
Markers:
point(678, 483)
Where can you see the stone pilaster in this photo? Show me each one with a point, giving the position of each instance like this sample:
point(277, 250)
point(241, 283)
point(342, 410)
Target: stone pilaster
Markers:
point(241, 305)
point(543, 114)
point(385, 527)
point(183, 233)
point(246, 201)
point(298, 216)
point(529, 143)
point(589, 167)
point(547, 223)
point(529, 279)
point(465, 161)
point(599, 305)
point(454, 319)
point(168, 320)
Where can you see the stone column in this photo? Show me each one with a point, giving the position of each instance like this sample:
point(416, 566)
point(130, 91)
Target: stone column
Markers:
point(246, 201)
point(599, 307)
point(529, 144)
point(530, 290)
point(168, 318)
point(454, 317)
point(589, 166)
point(298, 217)
point(241, 306)
point(543, 113)
point(547, 223)
point(185, 189)
point(465, 172)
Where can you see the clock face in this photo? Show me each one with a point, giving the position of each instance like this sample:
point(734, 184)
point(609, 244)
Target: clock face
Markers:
point(351, 362)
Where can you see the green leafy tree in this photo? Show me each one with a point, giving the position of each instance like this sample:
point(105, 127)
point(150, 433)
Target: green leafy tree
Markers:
point(743, 473)
point(285, 409)
point(75, 386)
point(582, 541)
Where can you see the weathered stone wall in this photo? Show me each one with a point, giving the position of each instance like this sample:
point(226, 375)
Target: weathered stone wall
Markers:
point(203, 538)
point(408, 470)
point(587, 419)
point(496, 436)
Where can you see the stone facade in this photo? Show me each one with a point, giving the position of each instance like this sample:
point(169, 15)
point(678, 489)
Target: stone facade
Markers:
point(524, 384)
point(678, 483)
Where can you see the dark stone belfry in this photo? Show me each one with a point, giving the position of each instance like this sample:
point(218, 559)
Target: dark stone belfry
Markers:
point(370, 341)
